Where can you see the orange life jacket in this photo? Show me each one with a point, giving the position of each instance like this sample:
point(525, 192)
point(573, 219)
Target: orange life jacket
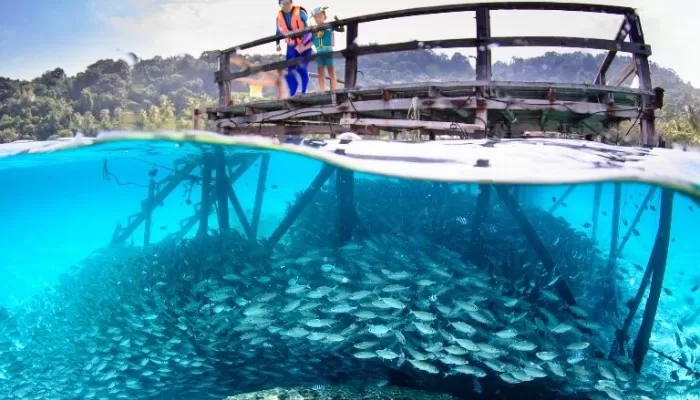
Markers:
point(296, 22)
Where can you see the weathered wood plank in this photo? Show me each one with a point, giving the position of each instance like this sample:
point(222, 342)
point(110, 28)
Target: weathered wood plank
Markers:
point(286, 130)
point(444, 103)
point(411, 124)
point(463, 88)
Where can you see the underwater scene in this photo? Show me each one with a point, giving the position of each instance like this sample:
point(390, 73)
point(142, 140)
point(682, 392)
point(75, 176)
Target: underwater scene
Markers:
point(155, 269)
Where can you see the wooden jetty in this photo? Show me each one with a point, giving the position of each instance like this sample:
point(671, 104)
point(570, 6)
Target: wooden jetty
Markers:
point(472, 109)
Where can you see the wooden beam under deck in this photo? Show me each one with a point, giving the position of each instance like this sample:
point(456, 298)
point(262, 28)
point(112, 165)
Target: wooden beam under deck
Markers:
point(445, 103)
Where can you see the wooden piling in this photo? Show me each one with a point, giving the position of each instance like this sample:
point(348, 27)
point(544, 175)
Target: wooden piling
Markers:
point(612, 256)
point(345, 190)
point(561, 198)
point(148, 209)
point(222, 183)
point(597, 194)
point(636, 219)
point(657, 261)
point(260, 193)
point(299, 206)
point(481, 215)
point(205, 209)
point(538, 246)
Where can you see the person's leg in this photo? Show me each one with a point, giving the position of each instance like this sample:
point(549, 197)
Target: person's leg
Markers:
point(290, 77)
point(303, 70)
point(321, 78)
point(331, 75)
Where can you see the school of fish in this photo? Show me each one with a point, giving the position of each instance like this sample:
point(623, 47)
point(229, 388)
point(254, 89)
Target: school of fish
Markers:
point(210, 317)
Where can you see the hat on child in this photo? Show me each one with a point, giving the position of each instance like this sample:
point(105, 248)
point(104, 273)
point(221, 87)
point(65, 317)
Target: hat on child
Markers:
point(318, 10)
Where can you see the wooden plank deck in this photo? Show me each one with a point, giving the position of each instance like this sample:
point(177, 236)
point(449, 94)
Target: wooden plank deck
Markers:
point(441, 106)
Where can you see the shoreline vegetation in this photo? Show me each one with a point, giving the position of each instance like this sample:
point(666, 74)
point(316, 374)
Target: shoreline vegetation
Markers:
point(161, 93)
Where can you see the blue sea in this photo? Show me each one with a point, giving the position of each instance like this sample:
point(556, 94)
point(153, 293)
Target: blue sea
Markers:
point(199, 314)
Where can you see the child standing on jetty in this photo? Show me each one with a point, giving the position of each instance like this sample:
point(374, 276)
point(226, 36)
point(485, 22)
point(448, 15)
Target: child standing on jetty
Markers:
point(324, 41)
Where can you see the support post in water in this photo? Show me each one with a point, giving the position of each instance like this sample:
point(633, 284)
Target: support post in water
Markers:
point(561, 199)
point(657, 262)
point(598, 193)
point(612, 257)
point(173, 181)
point(260, 193)
point(636, 219)
point(619, 344)
point(345, 189)
point(205, 208)
point(299, 206)
point(481, 215)
point(222, 183)
point(148, 209)
point(535, 241)
point(238, 209)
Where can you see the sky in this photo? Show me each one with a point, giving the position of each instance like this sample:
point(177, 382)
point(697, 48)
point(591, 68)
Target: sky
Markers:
point(40, 35)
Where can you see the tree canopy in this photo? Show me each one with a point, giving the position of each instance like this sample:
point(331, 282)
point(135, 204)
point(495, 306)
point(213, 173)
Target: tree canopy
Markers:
point(160, 93)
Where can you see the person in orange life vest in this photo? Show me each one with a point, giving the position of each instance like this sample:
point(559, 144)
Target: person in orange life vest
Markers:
point(292, 18)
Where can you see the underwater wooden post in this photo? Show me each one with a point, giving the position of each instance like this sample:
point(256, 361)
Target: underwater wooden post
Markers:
point(189, 223)
point(561, 198)
point(612, 257)
point(537, 245)
point(260, 193)
point(637, 217)
point(299, 206)
point(243, 166)
point(238, 209)
point(245, 163)
point(222, 183)
point(205, 209)
point(657, 261)
point(618, 346)
point(148, 209)
point(481, 215)
point(158, 198)
point(598, 192)
point(345, 190)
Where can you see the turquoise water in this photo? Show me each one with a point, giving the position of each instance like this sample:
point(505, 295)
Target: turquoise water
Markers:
point(59, 211)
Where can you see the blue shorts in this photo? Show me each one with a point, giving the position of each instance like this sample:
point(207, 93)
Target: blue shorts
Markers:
point(324, 61)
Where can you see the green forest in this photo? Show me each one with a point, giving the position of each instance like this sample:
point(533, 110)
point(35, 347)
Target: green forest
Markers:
point(161, 93)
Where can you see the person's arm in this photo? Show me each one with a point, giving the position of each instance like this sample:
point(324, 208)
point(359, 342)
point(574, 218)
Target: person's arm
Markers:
point(307, 38)
point(277, 32)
